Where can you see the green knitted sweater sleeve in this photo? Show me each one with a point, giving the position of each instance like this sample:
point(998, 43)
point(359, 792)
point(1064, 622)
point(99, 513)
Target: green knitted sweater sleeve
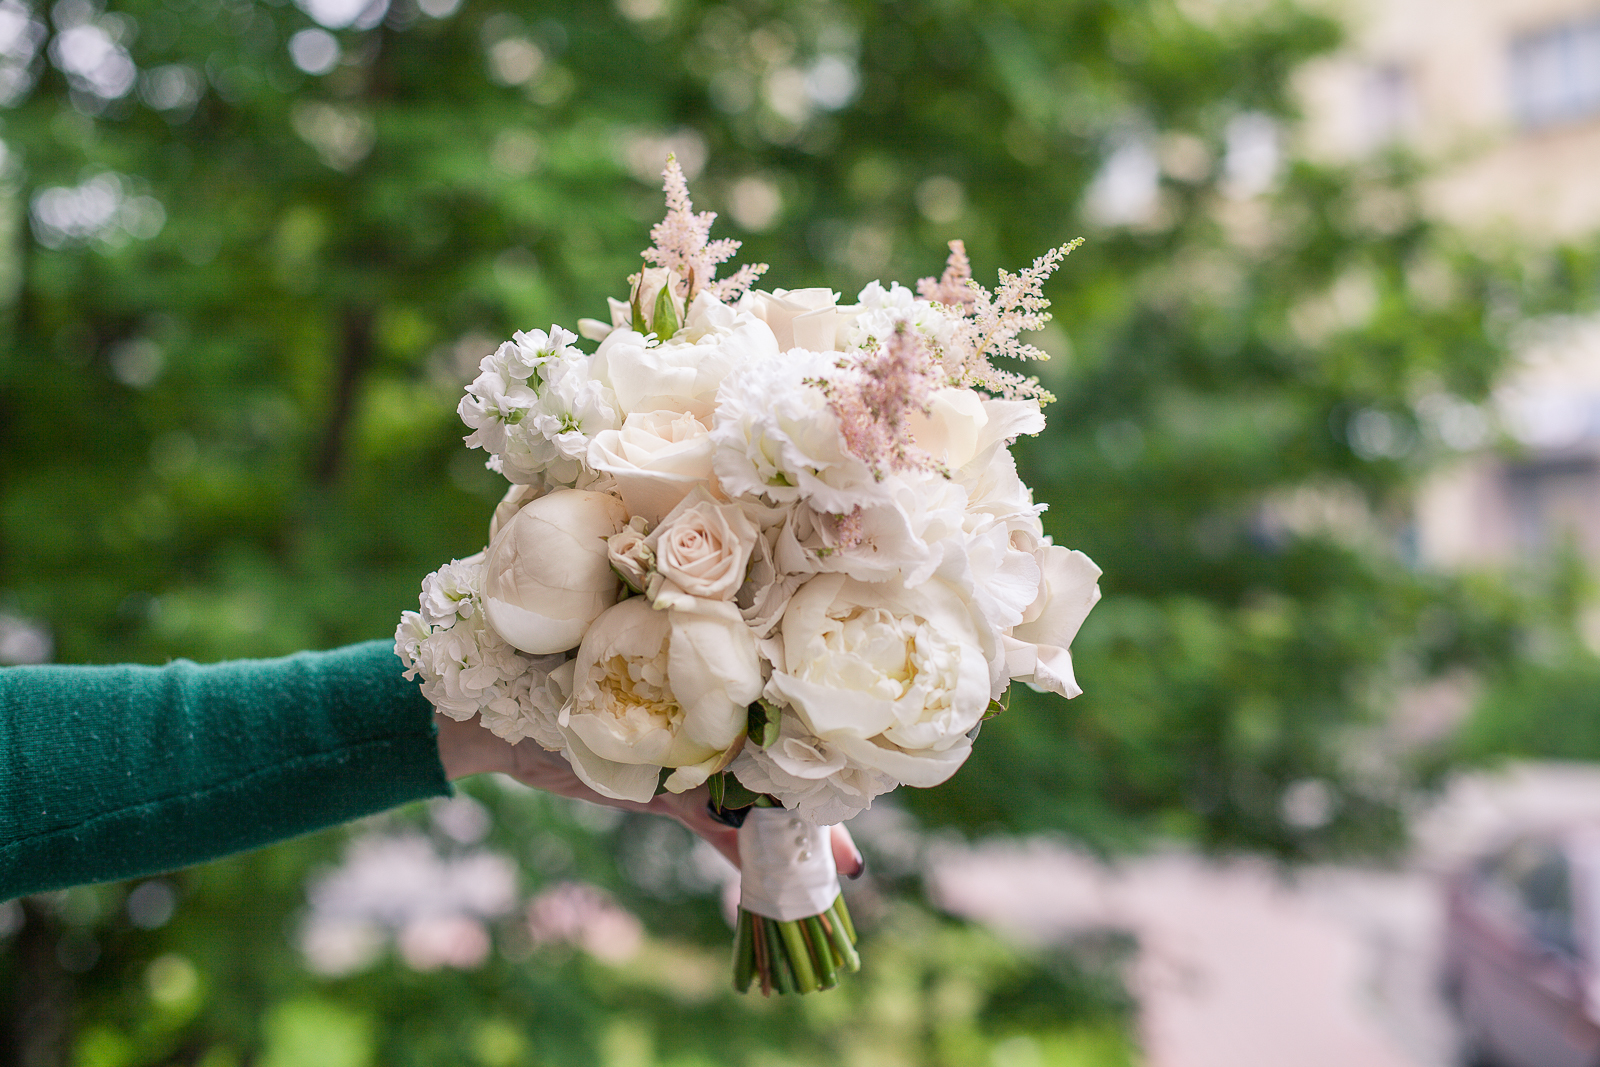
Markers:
point(115, 772)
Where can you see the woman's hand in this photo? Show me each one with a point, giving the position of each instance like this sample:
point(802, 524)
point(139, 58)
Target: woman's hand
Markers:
point(467, 748)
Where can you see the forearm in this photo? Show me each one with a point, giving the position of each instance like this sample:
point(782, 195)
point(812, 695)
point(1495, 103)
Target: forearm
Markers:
point(113, 772)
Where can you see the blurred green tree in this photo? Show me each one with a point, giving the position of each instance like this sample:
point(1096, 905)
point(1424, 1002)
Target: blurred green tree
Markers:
point(256, 249)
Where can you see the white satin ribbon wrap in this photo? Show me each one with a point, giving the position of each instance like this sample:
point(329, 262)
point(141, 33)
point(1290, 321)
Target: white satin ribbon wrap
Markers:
point(786, 866)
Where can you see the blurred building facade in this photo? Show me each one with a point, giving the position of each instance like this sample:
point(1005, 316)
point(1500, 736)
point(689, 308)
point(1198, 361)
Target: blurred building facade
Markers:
point(1502, 97)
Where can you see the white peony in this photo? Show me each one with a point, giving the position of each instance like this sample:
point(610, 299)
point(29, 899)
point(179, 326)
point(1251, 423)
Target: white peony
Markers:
point(655, 689)
point(1037, 648)
point(810, 776)
point(548, 575)
point(893, 678)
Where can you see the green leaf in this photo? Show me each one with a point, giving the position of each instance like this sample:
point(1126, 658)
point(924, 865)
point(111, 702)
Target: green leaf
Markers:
point(638, 312)
point(666, 316)
point(764, 720)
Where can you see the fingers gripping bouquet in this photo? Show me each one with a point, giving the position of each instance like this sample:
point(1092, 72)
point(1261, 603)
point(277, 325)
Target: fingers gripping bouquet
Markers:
point(764, 542)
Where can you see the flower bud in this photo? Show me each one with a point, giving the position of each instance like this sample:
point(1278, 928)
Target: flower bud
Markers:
point(547, 575)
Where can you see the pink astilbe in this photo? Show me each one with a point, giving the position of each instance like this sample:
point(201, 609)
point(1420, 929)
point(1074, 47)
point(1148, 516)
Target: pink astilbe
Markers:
point(992, 321)
point(954, 288)
point(876, 396)
point(683, 245)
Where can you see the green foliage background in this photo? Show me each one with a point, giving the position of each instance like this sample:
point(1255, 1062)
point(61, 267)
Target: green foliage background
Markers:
point(237, 437)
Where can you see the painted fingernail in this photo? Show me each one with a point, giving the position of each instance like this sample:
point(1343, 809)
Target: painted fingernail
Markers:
point(861, 867)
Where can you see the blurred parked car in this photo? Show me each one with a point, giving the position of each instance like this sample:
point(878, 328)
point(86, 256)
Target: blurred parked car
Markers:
point(1522, 951)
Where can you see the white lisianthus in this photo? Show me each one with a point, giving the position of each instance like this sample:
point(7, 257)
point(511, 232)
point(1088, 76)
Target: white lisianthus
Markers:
point(548, 575)
point(893, 678)
point(1037, 648)
point(810, 776)
point(703, 547)
point(659, 688)
point(777, 438)
point(656, 458)
point(949, 430)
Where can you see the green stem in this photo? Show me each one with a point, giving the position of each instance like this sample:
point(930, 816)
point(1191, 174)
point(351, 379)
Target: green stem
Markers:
point(800, 960)
point(821, 952)
point(782, 977)
point(849, 958)
point(844, 918)
point(744, 953)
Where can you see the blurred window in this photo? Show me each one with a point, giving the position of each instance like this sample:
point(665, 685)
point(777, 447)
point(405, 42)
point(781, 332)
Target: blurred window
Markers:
point(1555, 74)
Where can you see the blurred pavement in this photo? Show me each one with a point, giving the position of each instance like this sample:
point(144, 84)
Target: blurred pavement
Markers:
point(1242, 964)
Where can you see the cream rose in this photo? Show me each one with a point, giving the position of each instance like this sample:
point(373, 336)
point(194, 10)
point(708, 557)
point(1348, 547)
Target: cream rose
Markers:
point(704, 547)
point(659, 688)
point(547, 575)
point(1037, 648)
point(656, 458)
point(891, 678)
point(799, 318)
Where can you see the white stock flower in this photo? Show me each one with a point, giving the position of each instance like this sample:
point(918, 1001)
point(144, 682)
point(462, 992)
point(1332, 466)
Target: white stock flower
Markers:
point(463, 667)
point(547, 575)
point(531, 703)
point(879, 311)
point(451, 591)
point(809, 776)
point(776, 437)
point(893, 678)
point(1037, 648)
point(573, 407)
point(659, 688)
point(703, 547)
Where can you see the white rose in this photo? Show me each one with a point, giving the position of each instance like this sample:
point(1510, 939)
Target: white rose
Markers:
point(1037, 648)
point(893, 678)
point(659, 688)
point(949, 430)
point(799, 318)
point(656, 458)
point(547, 575)
point(776, 437)
point(809, 776)
point(651, 281)
point(630, 554)
point(684, 373)
point(704, 547)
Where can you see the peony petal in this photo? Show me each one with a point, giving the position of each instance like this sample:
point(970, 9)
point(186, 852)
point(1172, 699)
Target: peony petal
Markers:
point(619, 781)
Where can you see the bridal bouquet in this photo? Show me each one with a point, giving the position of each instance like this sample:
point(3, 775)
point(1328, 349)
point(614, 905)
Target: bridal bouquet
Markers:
point(761, 541)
